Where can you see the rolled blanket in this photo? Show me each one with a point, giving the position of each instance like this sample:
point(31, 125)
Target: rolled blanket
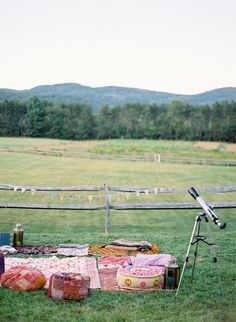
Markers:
point(139, 248)
point(78, 246)
point(129, 245)
point(73, 251)
point(150, 260)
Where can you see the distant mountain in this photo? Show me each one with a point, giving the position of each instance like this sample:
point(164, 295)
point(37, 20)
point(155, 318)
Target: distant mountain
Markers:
point(113, 95)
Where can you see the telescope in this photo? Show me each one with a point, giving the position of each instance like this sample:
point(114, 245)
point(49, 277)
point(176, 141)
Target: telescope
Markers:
point(207, 209)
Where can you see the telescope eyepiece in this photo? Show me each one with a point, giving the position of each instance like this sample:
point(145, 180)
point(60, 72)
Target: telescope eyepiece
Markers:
point(193, 192)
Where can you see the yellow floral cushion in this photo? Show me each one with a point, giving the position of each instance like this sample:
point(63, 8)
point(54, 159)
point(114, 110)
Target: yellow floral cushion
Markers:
point(140, 278)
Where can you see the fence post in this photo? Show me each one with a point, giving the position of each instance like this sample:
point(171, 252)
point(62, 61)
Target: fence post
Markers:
point(107, 225)
point(157, 158)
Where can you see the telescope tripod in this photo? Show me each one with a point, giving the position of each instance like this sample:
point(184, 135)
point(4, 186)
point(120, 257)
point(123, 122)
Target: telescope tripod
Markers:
point(196, 237)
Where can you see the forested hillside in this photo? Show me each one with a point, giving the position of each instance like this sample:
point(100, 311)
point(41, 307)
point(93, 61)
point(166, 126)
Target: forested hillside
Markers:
point(175, 121)
point(96, 97)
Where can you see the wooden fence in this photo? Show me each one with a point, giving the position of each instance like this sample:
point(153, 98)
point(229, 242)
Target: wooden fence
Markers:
point(108, 206)
point(158, 158)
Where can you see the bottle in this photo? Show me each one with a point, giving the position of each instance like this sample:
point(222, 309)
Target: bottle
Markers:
point(2, 263)
point(18, 235)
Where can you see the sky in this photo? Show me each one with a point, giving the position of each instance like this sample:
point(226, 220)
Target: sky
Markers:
point(177, 46)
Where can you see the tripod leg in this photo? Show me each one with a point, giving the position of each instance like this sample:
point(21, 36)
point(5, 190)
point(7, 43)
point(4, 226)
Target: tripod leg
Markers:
point(196, 248)
point(187, 254)
point(214, 257)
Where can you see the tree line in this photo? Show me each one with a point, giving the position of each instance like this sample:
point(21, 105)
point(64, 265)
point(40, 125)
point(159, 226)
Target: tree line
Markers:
point(174, 121)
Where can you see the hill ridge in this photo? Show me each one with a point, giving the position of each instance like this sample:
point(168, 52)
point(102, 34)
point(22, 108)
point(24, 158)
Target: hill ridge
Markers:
point(115, 95)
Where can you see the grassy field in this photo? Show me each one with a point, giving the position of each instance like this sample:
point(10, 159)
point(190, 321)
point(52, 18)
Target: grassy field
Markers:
point(171, 230)
point(194, 149)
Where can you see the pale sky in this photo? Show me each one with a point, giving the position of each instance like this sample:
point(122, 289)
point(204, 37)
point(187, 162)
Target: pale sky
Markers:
point(178, 46)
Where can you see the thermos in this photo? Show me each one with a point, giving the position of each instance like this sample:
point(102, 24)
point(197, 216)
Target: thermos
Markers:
point(18, 232)
point(2, 263)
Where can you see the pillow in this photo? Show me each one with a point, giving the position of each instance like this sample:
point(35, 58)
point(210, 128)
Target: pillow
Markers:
point(23, 278)
point(140, 278)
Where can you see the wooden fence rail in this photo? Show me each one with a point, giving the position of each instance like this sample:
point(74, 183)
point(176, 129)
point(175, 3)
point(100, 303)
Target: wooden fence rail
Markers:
point(134, 206)
point(121, 189)
point(108, 206)
point(158, 158)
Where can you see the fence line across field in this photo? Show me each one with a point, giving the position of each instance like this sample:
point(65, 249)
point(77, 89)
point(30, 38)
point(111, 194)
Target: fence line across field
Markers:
point(108, 206)
point(157, 157)
point(115, 188)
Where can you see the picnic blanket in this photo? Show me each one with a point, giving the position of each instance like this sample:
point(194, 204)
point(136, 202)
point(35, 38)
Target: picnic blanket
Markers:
point(51, 265)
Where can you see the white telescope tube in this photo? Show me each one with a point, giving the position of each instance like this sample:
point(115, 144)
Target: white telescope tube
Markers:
point(207, 209)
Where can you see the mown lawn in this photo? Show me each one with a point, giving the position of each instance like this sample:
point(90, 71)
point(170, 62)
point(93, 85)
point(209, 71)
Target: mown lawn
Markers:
point(171, 230)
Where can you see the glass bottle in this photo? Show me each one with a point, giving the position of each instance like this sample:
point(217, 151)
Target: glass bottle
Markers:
point(18, 232)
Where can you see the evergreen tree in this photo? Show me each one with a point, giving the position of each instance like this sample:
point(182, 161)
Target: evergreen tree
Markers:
point(35, 122)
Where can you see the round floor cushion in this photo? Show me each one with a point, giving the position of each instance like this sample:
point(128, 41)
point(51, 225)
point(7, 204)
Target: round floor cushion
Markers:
point(140, 278)
point(23, 278)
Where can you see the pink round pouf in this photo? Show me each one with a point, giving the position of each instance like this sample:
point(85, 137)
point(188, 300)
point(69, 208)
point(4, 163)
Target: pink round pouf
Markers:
point(23, 278)
point(140, 278)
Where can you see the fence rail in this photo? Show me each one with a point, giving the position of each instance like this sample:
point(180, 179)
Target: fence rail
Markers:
point(134, 206)
point(125, 157)
point(108, 206)
point(110, 188)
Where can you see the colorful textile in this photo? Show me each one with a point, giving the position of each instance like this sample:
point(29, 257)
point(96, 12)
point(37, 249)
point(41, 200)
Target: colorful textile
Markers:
point(107, 268)
point(99, 249)
point(73, 251)
point(6, 249)
point(140, 278)
point(150, 260)
point(152, 277)
point(48, 266)
point(23, 278)
point(36, 250)
point(111, 261)
point(68, 286)
point(130, 245)
point(78, 246)
point(108, 279)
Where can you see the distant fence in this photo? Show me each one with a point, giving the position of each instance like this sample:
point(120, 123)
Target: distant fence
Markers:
point(108, 206)
point(158, 158)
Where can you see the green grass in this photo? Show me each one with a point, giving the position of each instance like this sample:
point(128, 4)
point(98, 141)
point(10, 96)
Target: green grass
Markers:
point(171, 230)
point(194, 149)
